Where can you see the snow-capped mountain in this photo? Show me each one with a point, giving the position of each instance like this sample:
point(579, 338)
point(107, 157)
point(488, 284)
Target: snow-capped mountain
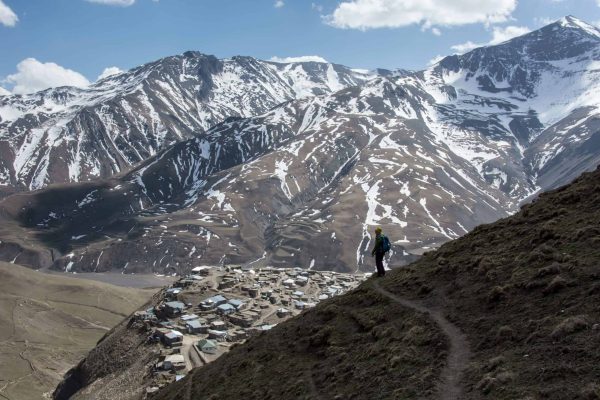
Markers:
point(537, 92)
point(69, 134)
point(428, 155)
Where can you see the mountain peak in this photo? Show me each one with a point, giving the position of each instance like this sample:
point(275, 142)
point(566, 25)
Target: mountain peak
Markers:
point(575, 23)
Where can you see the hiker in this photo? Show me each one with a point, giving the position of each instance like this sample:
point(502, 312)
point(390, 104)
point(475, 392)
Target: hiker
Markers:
point(382, 246)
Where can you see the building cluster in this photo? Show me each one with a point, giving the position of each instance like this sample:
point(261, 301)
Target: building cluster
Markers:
point(200, 316)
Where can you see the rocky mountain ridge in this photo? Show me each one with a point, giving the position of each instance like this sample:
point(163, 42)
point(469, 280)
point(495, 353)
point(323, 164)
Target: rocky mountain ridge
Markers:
point(69, 134)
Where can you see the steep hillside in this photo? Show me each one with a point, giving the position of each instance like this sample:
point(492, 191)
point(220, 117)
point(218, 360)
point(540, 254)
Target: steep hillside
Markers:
point(69, 134)
point(509, 311)
point(49, 322)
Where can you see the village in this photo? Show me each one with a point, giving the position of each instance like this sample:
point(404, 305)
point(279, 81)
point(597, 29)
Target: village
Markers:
point(200, 316)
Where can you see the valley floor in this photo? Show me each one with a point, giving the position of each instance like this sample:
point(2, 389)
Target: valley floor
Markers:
point(49, 322)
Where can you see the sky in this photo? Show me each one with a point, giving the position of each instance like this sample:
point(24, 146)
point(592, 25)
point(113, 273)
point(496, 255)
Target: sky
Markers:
point(46, 43)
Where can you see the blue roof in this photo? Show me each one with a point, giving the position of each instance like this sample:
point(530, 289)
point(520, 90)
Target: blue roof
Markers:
point(235, 302)
point(226, 306)
point(217, 299)
point(172, 335)
point(194, 324)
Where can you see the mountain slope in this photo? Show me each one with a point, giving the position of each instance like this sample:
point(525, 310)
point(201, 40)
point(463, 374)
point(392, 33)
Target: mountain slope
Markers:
point(312, 159)
point(509, 311)
point(69, 135)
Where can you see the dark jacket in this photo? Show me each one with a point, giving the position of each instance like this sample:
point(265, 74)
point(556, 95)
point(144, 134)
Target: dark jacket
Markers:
point(378, 248)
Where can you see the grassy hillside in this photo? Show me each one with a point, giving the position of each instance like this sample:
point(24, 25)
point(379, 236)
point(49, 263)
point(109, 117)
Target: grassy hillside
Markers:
point(509, 311)
point(49, 322)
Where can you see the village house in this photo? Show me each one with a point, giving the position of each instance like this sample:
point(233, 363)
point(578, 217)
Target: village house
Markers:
point(147, 315)
point(174, 308)
point(289, 282)
point(301, 281)
point(212, 302)
point(243, 319)
point(219, 336)
point(174, 362)
point(172, 293)
point(218, 325)
point(194, 326)
point(237, 335)
point(283, 312)
point(188, 317)
point(186, 282)
point(227, 283)
point(207, 346)
point(300, 305)
point(171, 338)
point(238, 304)
point(225, 309)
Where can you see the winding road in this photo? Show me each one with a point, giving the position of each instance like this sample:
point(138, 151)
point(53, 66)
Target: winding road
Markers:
point(449, 387)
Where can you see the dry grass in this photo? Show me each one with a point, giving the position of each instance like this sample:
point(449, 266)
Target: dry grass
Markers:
point(48, 323)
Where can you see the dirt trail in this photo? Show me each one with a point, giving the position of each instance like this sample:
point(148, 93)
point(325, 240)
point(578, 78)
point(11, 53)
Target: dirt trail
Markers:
point(449, 388)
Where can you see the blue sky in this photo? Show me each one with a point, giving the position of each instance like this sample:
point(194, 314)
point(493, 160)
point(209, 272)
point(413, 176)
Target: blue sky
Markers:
point(86, 36)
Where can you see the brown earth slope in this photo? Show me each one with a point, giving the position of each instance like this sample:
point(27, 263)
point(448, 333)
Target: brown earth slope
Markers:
point(512, 313)
point(49, 322)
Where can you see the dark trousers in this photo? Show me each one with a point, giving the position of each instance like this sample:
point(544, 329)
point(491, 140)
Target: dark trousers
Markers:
point(379, 264)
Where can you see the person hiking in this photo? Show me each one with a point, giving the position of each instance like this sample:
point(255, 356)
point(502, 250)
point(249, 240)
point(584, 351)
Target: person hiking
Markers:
point(382, 246)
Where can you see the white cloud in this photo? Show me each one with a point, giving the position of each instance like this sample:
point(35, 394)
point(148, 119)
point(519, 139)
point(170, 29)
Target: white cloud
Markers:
point(7, 16)
point(279, 4)
point(32, 76)
point(499, 35)
point(109, 71)
point(120, 3)
point(543, 21)
point(317, 7)
point(298, 59)
point(436, 31)
point(4, 92)
point(465, 47)
point(367, 14)
point(435, 60)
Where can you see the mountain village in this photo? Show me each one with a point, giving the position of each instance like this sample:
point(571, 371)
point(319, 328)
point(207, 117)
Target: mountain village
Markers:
point(202, 315)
